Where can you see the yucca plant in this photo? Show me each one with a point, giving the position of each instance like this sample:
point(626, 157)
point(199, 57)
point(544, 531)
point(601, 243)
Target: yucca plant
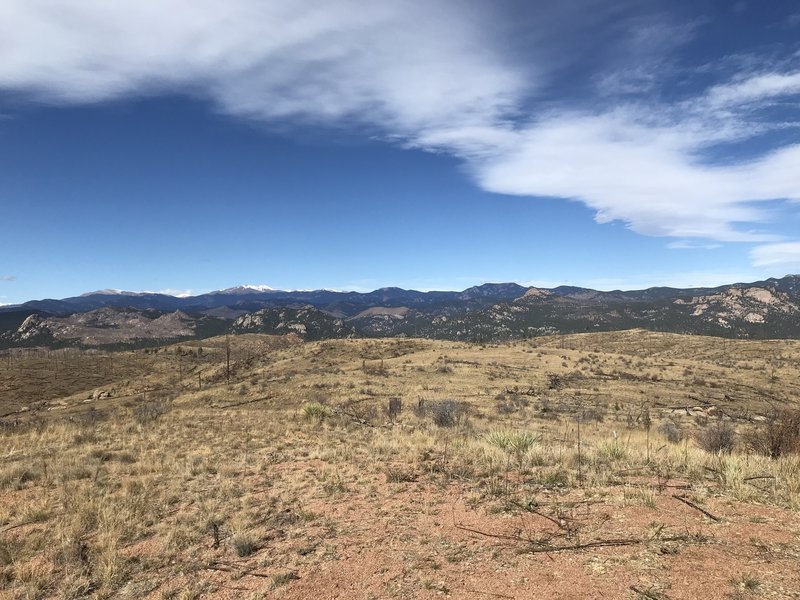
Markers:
point(515, 445)
point(315, 411)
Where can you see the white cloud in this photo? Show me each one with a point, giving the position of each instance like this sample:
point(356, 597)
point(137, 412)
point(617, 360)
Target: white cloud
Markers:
point(383, 63)
point(438, 76)
point(757, 88)
point(8, 277)
point(644, 174)
point(785, 254)
point(691, 245)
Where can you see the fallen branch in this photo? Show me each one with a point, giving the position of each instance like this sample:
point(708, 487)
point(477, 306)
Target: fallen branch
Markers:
point(614, 542)
point(758, 477)
point(585, 545)
point(694, 506)
point(515, 538)
point(239, 571)
point(235, 404)
point(355, 418)
point(10, 527)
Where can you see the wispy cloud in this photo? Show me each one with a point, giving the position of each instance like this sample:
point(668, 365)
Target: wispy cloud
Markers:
point(382, 63)
point(784, 254)
point(691, 245)
point(624, 151)
point(8, 277)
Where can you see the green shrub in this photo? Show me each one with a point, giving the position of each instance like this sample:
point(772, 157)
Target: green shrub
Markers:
point(315, 411)
point(244, 544)
point(611, 450)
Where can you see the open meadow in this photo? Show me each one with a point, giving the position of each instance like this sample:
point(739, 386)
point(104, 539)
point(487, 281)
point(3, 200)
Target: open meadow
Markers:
point(616, 465)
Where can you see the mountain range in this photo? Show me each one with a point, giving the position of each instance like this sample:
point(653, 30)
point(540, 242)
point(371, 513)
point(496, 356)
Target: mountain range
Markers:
point(489, 312)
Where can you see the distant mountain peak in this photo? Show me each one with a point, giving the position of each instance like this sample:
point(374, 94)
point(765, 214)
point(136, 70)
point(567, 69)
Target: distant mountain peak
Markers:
point(111, 292)
point(247, 288)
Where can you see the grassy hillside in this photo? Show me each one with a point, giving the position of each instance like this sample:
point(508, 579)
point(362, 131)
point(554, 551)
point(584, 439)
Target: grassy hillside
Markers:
point(564, 467)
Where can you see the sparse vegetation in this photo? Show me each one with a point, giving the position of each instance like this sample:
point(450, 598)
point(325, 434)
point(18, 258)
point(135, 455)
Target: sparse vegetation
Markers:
point(244, 544)
point(718, 438)
point(778, 437)
point(448, 413)
point(316, 411)
point(223, 489)
point(672, 431)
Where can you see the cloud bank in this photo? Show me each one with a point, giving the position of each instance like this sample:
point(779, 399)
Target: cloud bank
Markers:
point(451, 77)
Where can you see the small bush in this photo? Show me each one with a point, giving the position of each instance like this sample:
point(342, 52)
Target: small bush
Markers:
point(558, 478)
point(555, 381)
point(778, 437)
point(315, 411)
point(397, 475)
point(150, 411)
point(512, 442)
point(671, 431)
point(611, 450)
point(282, 579)
point(449, 413)
point(719, 438)
point(244, 544)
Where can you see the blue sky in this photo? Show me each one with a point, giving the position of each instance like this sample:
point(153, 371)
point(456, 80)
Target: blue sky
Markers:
point(195, 145)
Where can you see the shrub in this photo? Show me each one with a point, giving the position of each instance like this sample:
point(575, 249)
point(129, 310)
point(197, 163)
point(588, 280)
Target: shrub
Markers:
point(719, 438)
point(449, 413)
point(150, 411)
point(315, 411)
point(244, 544)
point(778, 437)
point(611, 450)
point(554, 381)
point(671, 431)
point(398, 475)
point(512, 442)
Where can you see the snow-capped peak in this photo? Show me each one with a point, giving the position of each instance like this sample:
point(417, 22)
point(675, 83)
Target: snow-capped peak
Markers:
point(246, 289)
point(111, 292)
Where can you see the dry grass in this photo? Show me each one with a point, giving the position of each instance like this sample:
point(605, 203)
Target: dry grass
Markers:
point(261, 485)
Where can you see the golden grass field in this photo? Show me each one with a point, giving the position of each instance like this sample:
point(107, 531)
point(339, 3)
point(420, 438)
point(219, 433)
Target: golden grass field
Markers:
point(560, 467)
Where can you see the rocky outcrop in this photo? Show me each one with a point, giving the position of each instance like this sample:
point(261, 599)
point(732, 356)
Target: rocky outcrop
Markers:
point(305, 321)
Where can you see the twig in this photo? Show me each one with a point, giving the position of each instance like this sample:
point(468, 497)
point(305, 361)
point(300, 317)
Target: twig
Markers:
point(694, 506)
point(10, 527)
point(495, 594)
point(355, 418)
point(531, 508)
point(516, 538)
point(758, 477)
point(235, 404)
point(242, 571)
point(585, 545)
point(611, 542)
